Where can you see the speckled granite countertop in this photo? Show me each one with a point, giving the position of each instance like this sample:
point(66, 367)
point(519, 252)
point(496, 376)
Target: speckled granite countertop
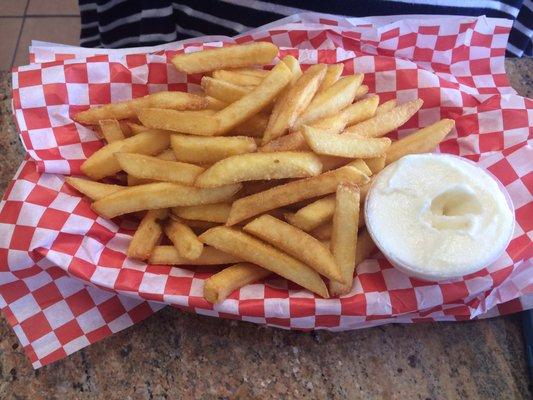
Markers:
point(174, 355)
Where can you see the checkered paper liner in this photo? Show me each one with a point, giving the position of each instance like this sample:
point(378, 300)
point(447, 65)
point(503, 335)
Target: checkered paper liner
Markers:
point(65, 281)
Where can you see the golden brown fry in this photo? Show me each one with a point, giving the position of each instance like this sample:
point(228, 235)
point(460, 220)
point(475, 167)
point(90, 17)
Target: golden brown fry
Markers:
point(198, 149)
point(382, 124)
point(362, 166)
point(147, 235)
point(293, 102)
point(209, 212)
point(344, 236)
point(332, 75)
point(254, 126)
point(203, 123)
point(323, 232)
point(365, 247)
point(137, 128)
point(376, 164)
point(167, 155)
point(344, 145)
point(251, 104)
point(134, 181)
point(313, 215)
point(224, 91)
point(238, 56)
point(223, 283)
point(361, 92)
point(168, 255)
point(160, 195)
point(421, 141)
point(259, 73)
point(293, 192)
point(386, 107)
point(184, 239)
point(259, 166)
point(296, 243)
point(103, 162)
point(215, 104)
point(154, 168)
point(197, 225)
point(294, 66)
point(111, 130)
point(129, 109)
point(252, 187)
point(125, 128)
point(93, 190)
point(242, 245)
point(331, 100)
point(236, 78)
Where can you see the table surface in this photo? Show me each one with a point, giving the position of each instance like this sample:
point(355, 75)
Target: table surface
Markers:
point(174, 355)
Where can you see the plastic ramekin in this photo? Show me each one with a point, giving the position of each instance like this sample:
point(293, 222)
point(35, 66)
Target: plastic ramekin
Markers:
point(434, 276)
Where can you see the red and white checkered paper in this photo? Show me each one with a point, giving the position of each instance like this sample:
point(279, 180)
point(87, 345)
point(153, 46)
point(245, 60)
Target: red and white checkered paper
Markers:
point(65, 281)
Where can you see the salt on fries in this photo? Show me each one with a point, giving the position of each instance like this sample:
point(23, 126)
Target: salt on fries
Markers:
point(292, 207)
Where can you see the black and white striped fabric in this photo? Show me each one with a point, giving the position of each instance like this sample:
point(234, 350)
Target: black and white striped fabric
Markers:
point(127, 23)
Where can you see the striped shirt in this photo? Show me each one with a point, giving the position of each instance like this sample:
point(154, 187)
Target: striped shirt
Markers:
point(129, 23)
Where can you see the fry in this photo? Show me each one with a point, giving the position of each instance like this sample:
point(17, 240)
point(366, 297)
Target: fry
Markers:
point(244, 246)
point(209, 212)
point(365, 247)
point(125, 128)
point(382, 124)
point(421, 141)
point(296, 243)
point(191, 122)
point(344, 145)
point(251, 104)
point(376, 164)
point(137, 128)
point(128, 109)
point(260, 73)
point(160, 195)
point(193, 223)
point(198, 149)
point(333, 74)
point(313, 215)
point(362, 166)
point(331, 100)
point(167, 155)
point(93, 190)
point(361, 92)
point(252, 187)
point(294, 66)
point(111, 130)
point(147, 235)
point(184, 239)
point(293, 102)
point(239, 56)
point(236, 78)
point(168, 255)
point(134, 181)
point(323, 232)
point(386, 107)
point(215, 104)
point(293, 192)
point(222, 90)
point(254, 126)
point(344, 235)
point(259, 166)
point(352, 114)
point(220, 285)
point(103, 162)
point(146, 167)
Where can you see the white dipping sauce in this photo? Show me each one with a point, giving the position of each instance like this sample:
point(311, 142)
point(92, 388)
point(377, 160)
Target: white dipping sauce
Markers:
point(438, 216)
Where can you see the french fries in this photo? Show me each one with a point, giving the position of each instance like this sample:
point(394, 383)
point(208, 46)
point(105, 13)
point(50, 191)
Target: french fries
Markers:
point(254, 126)
point(160, 195)
point(146, 167)
point(184, 239)
point(137, 128)
point(258, 53)
point(333, 74)
point(293, 192)
point(313, 215)
point(253, 102)
point(386, 107)
point(168, 255)
point(293, 102)
point(259, 166)
point(236, 78)
point(331, 100)
point(199, 149)
point(344, 145)
point(421, 141)
point(147, 235)
point(376, 164)
point(344, 236)
point(365, 247)
point(93, 190)
point(167, 155)
point(242, 245)
point(294, 66)
point(111, 130)
point(218, 212)
point(103, 162)
point(191, 122)
point(384, 123)
point(296, 243)
point(224, 91)
point(220, 285)
point(215, 104)
point(128, 109)
point(361, 92)
point(260, 73)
